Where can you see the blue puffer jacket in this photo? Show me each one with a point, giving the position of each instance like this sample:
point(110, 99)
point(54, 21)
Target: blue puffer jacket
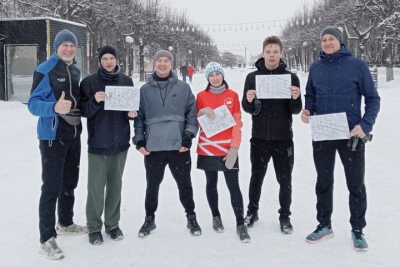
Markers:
point(336, 83)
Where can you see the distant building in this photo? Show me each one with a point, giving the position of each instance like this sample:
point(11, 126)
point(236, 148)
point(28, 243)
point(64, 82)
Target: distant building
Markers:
point(26, 43)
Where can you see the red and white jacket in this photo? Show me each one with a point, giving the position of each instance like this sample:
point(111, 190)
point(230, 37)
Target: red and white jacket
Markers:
point(219, 144)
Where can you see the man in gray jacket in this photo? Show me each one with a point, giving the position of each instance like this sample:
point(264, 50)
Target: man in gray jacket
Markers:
point(164, 129)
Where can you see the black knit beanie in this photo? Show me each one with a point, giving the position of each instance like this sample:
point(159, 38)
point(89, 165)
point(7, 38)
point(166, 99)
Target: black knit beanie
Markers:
point(107, 49)
point(332, 31)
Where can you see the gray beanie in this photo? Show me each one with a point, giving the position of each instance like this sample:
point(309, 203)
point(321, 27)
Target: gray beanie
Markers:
point(332, 31)
point(162, 53)
point(64, 36)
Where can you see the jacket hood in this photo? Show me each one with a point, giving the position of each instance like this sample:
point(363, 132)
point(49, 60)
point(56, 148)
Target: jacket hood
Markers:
point(343, 52)
point(260, 65)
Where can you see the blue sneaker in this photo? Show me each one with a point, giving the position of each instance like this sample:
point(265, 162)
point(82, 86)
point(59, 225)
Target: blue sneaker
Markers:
point(359, 241)
point(321, 233)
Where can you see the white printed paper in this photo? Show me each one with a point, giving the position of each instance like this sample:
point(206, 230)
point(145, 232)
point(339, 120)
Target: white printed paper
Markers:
point(123, 98)
point(223, 120)
point(329, 127)
point(273, 86)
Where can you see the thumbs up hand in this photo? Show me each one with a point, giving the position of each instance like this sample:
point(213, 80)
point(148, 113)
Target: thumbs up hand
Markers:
point(62, 106)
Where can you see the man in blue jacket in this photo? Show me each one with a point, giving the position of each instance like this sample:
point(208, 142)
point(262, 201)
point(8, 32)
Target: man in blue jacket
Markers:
point(55, 99)
point(336, 83)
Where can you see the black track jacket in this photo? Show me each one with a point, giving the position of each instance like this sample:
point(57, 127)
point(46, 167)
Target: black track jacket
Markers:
point(272, 118)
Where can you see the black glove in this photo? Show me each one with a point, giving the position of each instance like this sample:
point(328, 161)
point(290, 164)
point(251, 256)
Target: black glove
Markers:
point(187, 140)
point(353, 141)
point(140, 144)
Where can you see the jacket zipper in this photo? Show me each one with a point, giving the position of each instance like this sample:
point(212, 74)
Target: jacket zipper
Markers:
point(70, 93)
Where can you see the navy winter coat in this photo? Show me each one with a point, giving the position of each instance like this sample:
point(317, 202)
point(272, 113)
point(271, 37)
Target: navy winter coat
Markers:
point(336, 83)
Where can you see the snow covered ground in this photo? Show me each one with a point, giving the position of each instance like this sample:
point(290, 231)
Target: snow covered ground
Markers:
point(171, 244)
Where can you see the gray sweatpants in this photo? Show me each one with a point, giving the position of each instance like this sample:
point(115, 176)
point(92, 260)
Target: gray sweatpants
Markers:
point(105, 171)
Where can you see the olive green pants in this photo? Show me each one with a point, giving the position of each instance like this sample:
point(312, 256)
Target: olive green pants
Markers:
point(105, 176)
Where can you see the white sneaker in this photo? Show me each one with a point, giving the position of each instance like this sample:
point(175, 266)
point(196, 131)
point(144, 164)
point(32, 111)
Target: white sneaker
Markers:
point(51, 250)
point(73, 229)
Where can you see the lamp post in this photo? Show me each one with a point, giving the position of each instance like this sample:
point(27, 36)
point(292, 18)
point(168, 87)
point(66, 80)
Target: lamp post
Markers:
point(305, 56)
point(244, 65)
point(290, 59)
point(171, 48)
point(129, 40)
point(190, 56)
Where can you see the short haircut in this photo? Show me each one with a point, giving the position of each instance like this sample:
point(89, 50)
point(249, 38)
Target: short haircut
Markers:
point(272, 40)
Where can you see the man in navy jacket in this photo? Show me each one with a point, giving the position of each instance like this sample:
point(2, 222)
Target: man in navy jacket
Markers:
point(336, 83)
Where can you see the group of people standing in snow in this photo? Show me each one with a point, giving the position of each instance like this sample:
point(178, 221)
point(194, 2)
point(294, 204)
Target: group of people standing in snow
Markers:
point(165, 125)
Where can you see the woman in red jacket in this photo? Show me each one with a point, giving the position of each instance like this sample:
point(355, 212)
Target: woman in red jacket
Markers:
point(220, 152)
point(190, 71)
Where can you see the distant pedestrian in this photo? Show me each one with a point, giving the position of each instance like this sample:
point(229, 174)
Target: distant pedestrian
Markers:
point(190, 71)
point(184, 72)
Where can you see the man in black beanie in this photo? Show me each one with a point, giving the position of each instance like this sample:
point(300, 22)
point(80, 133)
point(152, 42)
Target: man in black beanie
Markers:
point(55, 99)
point(164, 129)
point(108, 143)
point(336, 83)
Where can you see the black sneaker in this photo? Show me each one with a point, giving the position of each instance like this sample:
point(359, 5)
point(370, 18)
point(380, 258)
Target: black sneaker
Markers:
point(217, 224)
point(250, 219)
point(286, 226)
point(193, 226)
point(116, 234)
point(241, 231)
point(149, 225)
point(95, 238)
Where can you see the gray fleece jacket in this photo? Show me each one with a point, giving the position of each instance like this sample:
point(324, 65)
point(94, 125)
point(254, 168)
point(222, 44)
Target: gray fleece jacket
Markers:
point(167, 110)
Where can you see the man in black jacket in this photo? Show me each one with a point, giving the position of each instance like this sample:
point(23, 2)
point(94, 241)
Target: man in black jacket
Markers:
point(272, 135)
point(108, 143)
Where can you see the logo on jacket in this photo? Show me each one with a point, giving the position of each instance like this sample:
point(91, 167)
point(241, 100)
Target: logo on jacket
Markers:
point(229, 102)
point(61, 80)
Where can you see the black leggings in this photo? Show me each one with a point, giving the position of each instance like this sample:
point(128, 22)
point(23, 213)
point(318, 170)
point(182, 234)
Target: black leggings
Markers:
point(232, 181)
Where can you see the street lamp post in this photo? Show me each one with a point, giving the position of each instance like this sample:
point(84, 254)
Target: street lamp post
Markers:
point(129, 40)
point(244, 65)
point(190, 56)
point(171, 48)
point(305, 56)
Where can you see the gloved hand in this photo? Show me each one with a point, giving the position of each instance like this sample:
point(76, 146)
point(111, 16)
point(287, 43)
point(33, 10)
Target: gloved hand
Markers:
point(207, 111)
point(231, 157)
point(187, 140)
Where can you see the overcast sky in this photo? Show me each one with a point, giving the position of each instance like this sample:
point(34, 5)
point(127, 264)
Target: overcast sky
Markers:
point(214, 13)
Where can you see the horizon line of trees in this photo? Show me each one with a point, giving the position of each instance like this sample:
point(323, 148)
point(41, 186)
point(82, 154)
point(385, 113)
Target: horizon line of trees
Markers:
point(371, 30)
point(153, 25)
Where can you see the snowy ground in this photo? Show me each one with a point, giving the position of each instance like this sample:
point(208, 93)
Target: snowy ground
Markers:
point(171, 244)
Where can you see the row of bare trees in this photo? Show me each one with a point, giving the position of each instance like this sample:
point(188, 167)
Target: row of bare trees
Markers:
point(371, 29)
point(153, 25)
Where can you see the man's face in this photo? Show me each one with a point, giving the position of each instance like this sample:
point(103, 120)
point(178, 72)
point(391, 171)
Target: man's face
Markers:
point(330, 44)
point(108, 62)
point(66, 51)
point(272, 54)
point(163, 67)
